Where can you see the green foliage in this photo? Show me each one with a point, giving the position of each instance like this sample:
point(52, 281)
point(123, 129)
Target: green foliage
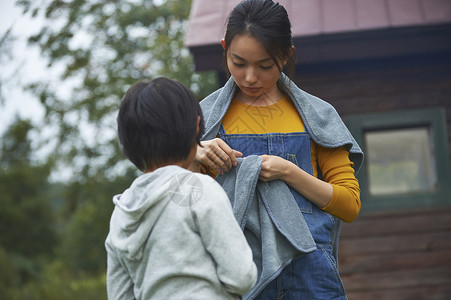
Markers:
point(52, 233)
point(102, 48)
point(26, 215)
point(89, 226)
point(58, 284)
point(5, 55)
point(9, 276)
point(27, 231)
point(36, 261)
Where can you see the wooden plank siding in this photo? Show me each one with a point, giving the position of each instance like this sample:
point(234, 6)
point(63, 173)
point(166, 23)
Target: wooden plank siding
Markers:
point(400, 83)
point(391, 254)
point(404, 255)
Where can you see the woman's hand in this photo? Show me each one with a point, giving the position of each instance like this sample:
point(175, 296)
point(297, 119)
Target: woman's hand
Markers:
point(317, 191)
point(273, 167)
point(217, 155)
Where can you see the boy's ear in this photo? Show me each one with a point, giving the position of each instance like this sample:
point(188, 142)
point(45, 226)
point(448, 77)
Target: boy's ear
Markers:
point(223, 43)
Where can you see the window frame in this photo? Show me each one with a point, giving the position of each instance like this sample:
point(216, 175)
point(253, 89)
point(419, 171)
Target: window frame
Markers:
point(435, 119)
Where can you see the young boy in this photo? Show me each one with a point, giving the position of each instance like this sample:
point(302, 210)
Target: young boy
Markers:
point(172, 233)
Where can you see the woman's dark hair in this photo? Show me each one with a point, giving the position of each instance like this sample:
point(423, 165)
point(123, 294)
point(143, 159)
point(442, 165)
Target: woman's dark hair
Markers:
point(157, 123)
point(268, 22)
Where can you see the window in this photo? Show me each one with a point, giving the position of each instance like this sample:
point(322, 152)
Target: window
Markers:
point(400, 161)
point(406, 158)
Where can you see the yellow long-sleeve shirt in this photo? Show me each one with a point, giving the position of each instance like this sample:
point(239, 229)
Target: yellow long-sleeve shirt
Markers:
point(334, 163)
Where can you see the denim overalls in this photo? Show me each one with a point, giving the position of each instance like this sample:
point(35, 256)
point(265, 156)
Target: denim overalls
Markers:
point(315, 275)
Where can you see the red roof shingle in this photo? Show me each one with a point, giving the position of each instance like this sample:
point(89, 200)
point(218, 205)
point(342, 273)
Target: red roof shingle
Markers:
point(319, 17)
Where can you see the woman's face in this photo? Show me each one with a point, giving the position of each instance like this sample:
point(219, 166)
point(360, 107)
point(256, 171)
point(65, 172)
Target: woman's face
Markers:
point(254, 71)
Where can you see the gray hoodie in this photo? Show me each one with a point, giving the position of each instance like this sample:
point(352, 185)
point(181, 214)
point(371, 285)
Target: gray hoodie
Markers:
point(173, 235)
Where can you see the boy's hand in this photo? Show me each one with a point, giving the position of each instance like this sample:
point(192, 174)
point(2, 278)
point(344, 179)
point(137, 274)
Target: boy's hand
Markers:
point(217, 155)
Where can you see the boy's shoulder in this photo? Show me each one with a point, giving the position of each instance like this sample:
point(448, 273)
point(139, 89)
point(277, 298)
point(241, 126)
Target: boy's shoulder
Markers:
point(188, 188)
point(208, 183)
point(205, 182)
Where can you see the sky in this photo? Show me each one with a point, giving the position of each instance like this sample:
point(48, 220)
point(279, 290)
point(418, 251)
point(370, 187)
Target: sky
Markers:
point(25, 66)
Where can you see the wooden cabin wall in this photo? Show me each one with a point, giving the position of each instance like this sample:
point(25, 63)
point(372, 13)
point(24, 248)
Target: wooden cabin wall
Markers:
point(382, 85)
point(401, 254)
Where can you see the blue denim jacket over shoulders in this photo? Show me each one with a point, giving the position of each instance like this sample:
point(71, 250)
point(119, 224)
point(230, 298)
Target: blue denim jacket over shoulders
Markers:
point(321, 120)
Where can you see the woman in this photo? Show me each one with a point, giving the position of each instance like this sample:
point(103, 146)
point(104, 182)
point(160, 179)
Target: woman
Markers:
point(300, 139)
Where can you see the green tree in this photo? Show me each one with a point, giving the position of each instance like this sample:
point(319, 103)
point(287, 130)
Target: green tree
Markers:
point(103, 47)
point(82, 245)
point(98, 49)
point(6, 41)
point(27, 233)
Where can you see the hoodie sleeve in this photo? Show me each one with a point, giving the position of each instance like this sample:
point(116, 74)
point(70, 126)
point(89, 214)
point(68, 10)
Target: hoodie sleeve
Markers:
point(224, 239)
point(118, 282)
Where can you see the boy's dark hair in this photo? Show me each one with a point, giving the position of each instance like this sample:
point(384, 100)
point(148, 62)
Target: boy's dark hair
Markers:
point(157, 123)
point(268, 22)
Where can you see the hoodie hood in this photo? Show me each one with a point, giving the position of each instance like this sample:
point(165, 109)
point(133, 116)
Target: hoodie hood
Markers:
point(137, 210)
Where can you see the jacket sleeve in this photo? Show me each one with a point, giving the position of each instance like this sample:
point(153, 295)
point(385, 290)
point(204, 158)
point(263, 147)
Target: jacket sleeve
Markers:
point(118, 282)
point(224, 240)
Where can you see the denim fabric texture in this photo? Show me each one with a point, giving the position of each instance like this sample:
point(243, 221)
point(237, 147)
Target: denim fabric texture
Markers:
point(314, 275)
point(275, 230)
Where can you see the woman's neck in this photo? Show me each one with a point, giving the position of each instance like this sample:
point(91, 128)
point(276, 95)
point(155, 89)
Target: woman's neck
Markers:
point(265, 99)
